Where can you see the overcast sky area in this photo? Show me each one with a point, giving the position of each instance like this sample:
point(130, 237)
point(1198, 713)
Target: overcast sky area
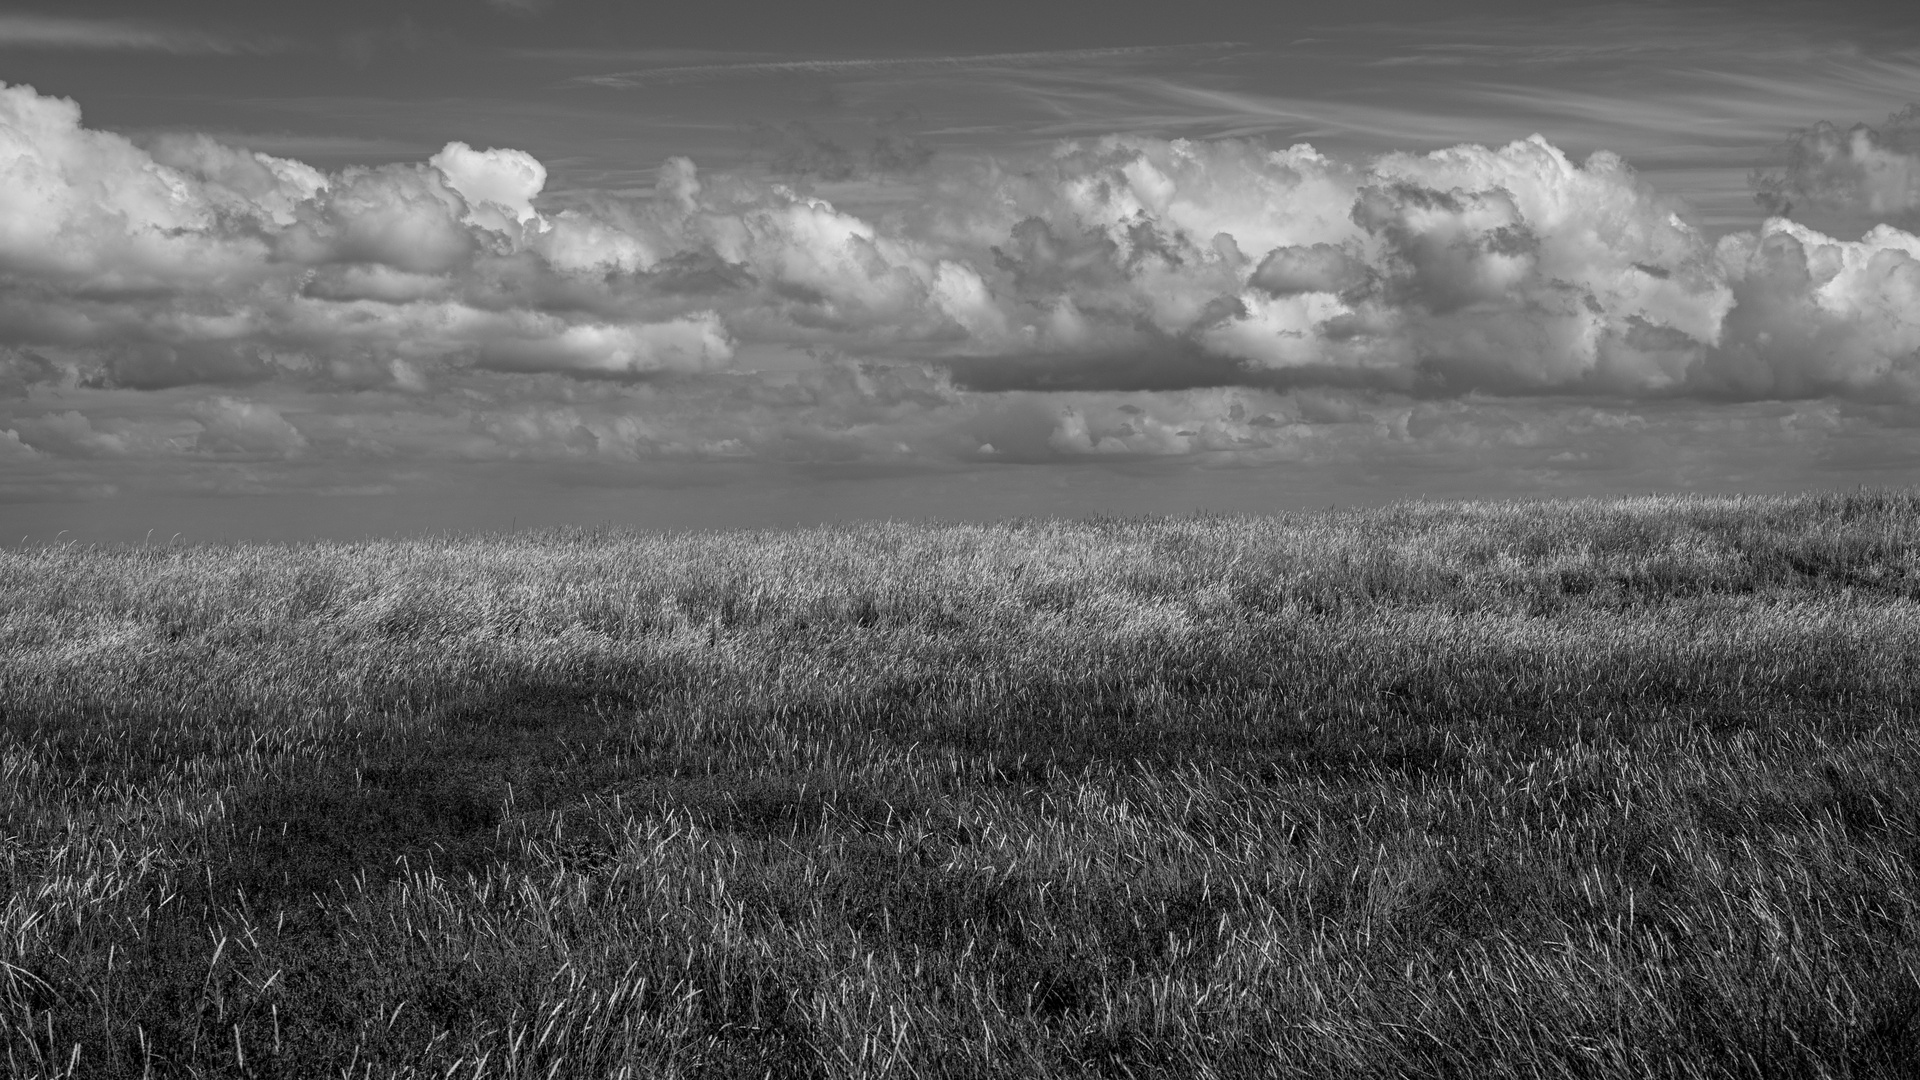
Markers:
point(274, 271)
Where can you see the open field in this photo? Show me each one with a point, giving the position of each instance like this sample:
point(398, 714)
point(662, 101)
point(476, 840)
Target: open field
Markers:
point(1571, 789)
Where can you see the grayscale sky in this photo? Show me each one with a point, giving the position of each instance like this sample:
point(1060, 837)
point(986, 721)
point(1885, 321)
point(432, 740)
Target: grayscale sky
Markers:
point(347, 269)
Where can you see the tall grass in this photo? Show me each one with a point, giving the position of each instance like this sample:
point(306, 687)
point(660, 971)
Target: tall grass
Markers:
point(1558, 789)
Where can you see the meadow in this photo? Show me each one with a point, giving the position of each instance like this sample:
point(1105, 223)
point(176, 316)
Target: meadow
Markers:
point(1556, 789)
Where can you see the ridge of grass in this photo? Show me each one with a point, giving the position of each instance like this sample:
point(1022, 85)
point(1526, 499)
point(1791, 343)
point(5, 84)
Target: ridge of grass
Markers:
point(1571, 789)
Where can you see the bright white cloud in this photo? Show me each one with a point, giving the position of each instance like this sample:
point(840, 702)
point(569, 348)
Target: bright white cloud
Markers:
point(498, 185)
point(188, 260)
point(90, 209)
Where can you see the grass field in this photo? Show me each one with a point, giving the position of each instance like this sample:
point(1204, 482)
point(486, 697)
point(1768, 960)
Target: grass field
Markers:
point(1578, 789)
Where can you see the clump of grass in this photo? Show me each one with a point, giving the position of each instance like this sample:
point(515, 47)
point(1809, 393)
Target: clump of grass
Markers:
point(1551, 789)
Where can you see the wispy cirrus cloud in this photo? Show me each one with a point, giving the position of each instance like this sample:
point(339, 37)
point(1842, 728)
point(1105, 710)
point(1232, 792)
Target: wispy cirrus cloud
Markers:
point(357, 149)
point(881, 65)
point(24, 31)
point(1241, 113)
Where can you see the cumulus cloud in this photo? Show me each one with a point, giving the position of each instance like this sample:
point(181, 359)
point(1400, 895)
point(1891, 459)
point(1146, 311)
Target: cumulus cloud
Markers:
point(1517, 270)
point(232, 426)
point(1507, 270)
point(71, 433)
point(184, 260)
point(90, 209)
point(1868, 175)
point(406, 217)
point(1817, 316)
point(243, 182)
point(498, 185)
point(691, 344)
point(13, 448)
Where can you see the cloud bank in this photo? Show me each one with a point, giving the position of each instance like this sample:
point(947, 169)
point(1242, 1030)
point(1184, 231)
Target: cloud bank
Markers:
point(1124, 297)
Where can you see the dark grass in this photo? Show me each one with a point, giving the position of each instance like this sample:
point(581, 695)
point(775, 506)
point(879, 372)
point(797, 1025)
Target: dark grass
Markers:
point(1571, 789)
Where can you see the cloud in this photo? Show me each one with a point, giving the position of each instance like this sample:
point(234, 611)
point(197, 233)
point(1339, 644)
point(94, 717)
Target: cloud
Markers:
point(90, 209)
point(877, 66)
point(187, 260)
point(1316, 268)
point(798, 149)
point(244, 181)
point(246, 427)
point(1866, 174)
point(70, 433)
point(13, 449)
point(1818, 316)
point(24, 31)
point(1516, 271)
point(692, 344)
point(21, 370)
point(499, 186)
point(407, 217)
point(1509, 270)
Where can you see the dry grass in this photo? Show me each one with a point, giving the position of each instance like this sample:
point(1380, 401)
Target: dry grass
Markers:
point(1569, 789)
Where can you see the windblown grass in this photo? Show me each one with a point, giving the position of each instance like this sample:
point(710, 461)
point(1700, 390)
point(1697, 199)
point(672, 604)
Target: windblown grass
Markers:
point(1562, 789)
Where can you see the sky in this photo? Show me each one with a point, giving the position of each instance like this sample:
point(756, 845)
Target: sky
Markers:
point(285, 272)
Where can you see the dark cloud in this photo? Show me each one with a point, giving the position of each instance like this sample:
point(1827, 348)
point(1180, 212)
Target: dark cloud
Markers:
point(697, 273)
point(1046, 265)
point(1170, 364)
point(151, 365)
point(897, 153)
point(1859, 177)
point(22, 369)
point(800, 150)
point(1319, 268)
